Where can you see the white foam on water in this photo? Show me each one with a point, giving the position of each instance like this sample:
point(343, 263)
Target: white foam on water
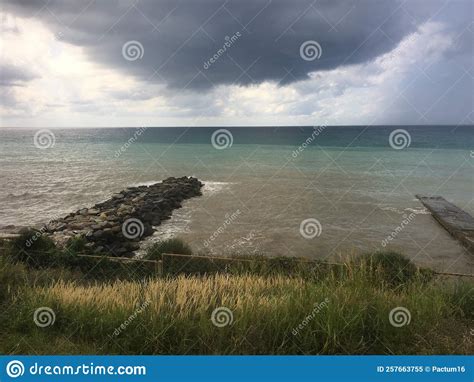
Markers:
point(149, 183)
point(246, 243)
point(180, 220)
point(416, 211)
point(391, 209)
point(211, 188)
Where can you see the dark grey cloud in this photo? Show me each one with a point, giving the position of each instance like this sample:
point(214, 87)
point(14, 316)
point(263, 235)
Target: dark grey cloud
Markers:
point(179, 37)
point(12, 75)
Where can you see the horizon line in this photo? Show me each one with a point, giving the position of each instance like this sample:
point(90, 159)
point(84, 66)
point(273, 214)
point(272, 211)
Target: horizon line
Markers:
point(227, 126)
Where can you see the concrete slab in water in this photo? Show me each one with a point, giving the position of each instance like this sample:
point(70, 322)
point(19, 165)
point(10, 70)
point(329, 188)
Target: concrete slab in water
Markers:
point(456, 221)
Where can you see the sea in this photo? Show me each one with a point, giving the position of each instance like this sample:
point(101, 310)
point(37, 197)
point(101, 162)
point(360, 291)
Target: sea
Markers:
point(321, 192)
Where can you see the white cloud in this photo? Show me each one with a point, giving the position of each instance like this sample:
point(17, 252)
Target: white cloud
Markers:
point(68, 87)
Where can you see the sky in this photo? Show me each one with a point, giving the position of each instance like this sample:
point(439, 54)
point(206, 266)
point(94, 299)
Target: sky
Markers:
point(105, 63)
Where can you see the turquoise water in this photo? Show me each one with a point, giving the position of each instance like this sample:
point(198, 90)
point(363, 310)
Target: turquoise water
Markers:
point(350, 179)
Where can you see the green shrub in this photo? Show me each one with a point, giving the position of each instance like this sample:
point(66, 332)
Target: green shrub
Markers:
point(174, 245)
point(278, 265)
point(390, 268)
point(35, 249)
point(76, 245)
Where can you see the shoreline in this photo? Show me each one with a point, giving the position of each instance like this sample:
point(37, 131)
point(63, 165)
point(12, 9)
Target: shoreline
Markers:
point(194, 226)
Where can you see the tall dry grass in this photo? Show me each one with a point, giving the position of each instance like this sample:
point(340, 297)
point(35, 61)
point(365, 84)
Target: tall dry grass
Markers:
point(173, 316)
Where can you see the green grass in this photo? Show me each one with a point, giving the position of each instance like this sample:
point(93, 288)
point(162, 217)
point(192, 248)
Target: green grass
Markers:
point(38, 252)
point(279, 307)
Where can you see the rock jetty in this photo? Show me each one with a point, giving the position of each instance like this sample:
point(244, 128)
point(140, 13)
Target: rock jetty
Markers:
point(117, 225)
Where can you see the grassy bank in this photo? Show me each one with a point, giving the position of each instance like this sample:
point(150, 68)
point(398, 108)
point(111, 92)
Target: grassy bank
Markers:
point(331, 311)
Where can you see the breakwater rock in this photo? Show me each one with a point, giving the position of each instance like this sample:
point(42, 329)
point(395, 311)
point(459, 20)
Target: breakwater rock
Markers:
point(117, 225)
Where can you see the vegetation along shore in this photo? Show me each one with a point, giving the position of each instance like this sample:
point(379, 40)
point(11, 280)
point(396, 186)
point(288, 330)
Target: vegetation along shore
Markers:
point(56, 301)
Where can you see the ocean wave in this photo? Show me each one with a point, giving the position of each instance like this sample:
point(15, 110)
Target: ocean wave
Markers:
point(211, 188)
point(416, 211)
point(149, 183)
point(24, 195)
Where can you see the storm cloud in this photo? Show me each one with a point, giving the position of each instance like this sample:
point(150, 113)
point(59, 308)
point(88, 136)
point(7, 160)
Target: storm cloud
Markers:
point(202, 46)
point(181, 39)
